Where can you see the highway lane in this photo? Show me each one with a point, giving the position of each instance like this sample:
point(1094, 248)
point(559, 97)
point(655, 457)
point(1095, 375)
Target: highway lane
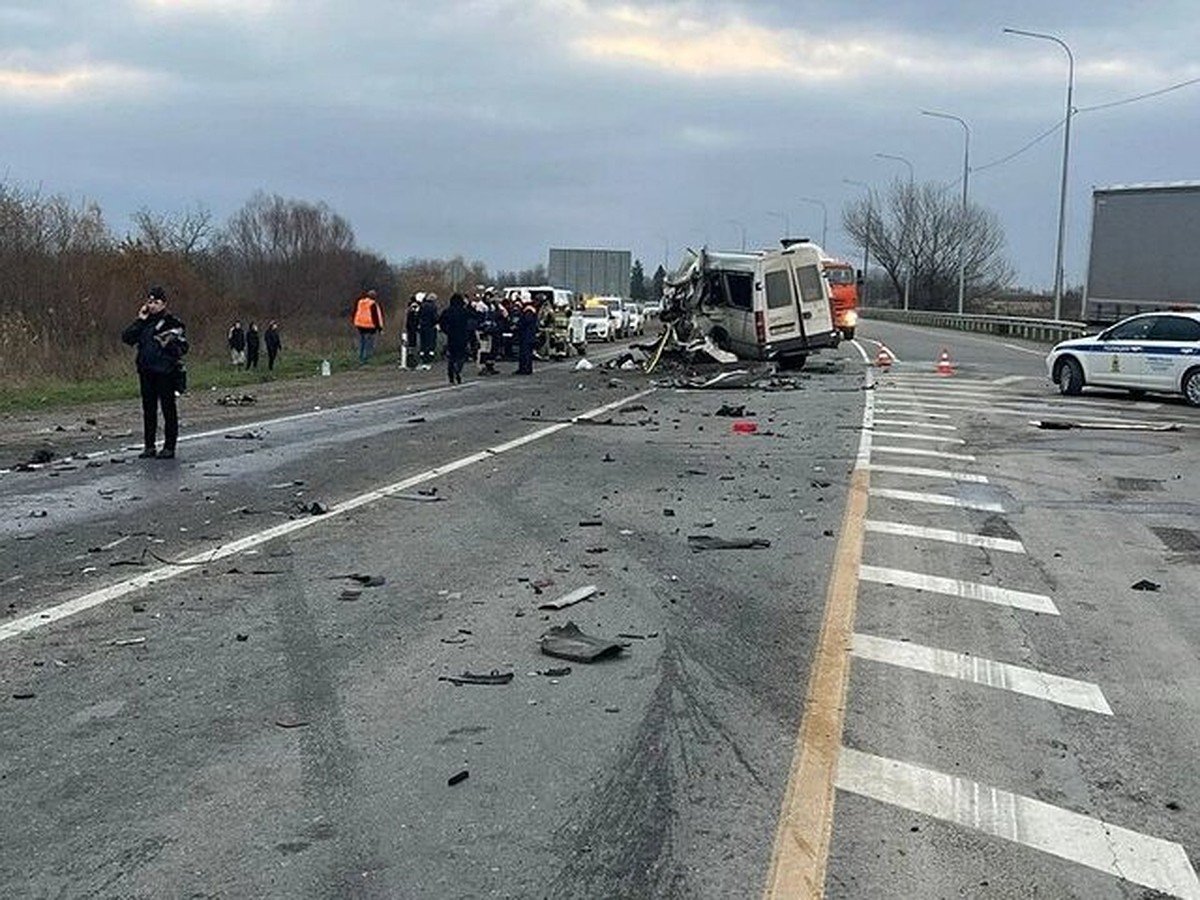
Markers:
point(233, 728)
point(1020, 720)
point(1007, 690)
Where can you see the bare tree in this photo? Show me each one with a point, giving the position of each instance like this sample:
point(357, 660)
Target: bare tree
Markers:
point(185, 233)
point(919, 229)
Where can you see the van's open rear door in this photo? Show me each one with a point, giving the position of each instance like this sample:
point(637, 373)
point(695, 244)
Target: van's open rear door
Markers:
point(816, 316)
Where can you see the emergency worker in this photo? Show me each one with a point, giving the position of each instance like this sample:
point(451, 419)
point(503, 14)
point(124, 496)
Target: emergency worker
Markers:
point(368, 319)
point(527, 329)
point(427, 324)
point(453, 322)
point(412, 327)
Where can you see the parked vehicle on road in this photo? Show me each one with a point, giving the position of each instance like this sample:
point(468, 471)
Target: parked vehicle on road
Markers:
point(1157, 352)
point(637, 320)
point(597, 323)
point(618, 314)
point(844, 284)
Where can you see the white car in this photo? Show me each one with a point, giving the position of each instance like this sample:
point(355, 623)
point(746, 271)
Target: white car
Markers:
point(1157, 351)
point(637, 319)
point(597, 324)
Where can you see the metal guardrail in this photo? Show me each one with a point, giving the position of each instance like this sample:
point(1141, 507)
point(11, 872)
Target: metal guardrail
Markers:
point(1042, 331)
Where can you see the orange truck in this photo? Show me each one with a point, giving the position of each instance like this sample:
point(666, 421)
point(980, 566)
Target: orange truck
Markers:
point(843, 293)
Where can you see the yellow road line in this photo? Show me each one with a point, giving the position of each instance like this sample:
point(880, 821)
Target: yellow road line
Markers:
point(806, 820)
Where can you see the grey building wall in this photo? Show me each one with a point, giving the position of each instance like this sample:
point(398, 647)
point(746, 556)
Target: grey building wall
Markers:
point(591, 272)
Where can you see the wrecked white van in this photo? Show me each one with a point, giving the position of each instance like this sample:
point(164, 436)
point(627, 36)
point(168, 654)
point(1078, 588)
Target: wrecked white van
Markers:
point(763, 304)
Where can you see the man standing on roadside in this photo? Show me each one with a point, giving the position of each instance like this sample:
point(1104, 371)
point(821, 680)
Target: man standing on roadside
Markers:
point(237, 345)
point(252, 346)
point(272, 342)
point(368, 319)
point(412, 328)
point(161, 343)
point(453, 322)
point(427, 320)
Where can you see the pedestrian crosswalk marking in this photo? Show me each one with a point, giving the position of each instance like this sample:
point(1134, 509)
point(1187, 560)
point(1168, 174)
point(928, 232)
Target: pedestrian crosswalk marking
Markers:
point(952, 587)
point(903, 529)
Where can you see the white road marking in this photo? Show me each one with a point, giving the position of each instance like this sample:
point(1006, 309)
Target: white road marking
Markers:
point(863, 459)
point(929, 473)
point(914, 451)
point(1011, 379)
point(931, 425)
point(966, 538)
point(936, 499)
point(1148, 861)
point(952, 587)
point(1024, 350)
point(979, 670)
point(855, 344)
point(169, 571)
point(963, 393)
point(909, 436)
point(883, 407)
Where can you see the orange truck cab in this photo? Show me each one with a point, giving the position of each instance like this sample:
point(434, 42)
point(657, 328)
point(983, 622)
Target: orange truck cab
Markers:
point(843, 293)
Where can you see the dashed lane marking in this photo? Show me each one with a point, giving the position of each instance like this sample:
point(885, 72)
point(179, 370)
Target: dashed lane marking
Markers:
point(933, 426)
point(1148, 861)
point(909, 436)
point(87, 601)
point(952, 587)
point(965, 538)
point(980, 670)
point(916, 451)
point(916, 412)
point(937, 499)
point(920, 472)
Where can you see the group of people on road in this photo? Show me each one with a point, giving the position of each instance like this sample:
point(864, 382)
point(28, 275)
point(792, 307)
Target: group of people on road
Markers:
point(244, 345)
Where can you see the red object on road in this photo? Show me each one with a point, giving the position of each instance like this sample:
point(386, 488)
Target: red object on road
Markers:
point(745, 427)
point(884, 357)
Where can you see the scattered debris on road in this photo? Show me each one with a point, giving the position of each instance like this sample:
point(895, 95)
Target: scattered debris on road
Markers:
point(493, 677)
point(236, 400)
point(700, 542)
point(568, 642)
point(1145, 585)
point(1067, 425)
point(127, 642)
point(458, 777)
point(571, 598)
point(244, 436)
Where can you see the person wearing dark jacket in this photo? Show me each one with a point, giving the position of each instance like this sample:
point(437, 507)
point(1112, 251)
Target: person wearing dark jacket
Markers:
point(454, 324)
point(252, 346)
point(527, 329)
point(272, 342)
point(237, 345)
point(161, 343)
point(412, 328)
point(427, 320)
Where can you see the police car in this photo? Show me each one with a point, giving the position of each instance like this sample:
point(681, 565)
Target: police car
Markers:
point(1157, 351)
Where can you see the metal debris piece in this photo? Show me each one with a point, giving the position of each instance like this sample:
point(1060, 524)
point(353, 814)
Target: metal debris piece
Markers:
point(458, 777)
point(366, 580)
point(418, 498)
point(733, 412)
point(350, 594)
point(1145, 585)
point(291, 723)
point(244, 436)
point(1067, 425)
point(555, 673)
point(236, 400)
point(568, 642)
point(493, 677)
point(700, 542)
point(573, 597)
point(23, 695)
point(127, 642)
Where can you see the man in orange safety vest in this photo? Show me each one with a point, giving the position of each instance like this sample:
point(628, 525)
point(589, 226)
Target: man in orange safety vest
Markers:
point(368, 319)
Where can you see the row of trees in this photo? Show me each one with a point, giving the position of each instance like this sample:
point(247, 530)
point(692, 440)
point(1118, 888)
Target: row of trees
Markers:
point(915, 234)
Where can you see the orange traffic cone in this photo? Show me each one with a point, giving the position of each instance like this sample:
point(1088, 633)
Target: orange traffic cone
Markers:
point(884, 357)
point(944, 366)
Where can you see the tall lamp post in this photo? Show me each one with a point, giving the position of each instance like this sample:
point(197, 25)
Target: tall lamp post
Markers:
point(904, 248)
point(962, 238)
point(1066, 154)
point(787, 222)
point(741, 228)
point(866, 235)
point(824, 219)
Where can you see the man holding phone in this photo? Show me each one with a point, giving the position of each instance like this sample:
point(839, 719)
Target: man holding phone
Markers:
point(161, 343)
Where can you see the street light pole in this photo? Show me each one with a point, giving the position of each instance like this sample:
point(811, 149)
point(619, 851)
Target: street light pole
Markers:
point(866, 237)
point(741, 228)
point(787, 222)
point(1066, 154)
point(824, 219)
point(962, 238)
point(904, 248)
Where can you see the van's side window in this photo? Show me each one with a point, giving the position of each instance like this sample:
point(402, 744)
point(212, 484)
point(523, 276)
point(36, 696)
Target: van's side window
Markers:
point(779, 289)
point(739, 286)
point(808, 279)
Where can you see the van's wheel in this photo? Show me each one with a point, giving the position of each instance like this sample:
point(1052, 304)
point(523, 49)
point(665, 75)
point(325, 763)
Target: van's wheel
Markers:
point(792, 363)
point(1070, 377)
point(1191, 387)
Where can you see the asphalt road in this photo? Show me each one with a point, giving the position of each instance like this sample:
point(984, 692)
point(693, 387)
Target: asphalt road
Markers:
point(193, 705)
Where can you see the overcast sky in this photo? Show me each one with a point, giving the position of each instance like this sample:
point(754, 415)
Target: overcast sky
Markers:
point(499, 128)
